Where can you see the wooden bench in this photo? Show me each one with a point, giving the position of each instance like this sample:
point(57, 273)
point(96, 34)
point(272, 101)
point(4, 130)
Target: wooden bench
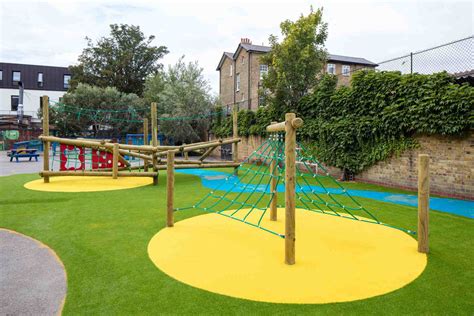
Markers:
point(23, 153)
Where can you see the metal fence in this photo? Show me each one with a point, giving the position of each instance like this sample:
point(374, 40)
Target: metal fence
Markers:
point(453, 57)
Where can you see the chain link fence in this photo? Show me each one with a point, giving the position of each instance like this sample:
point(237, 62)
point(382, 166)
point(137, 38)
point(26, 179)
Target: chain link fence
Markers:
point(454, 57)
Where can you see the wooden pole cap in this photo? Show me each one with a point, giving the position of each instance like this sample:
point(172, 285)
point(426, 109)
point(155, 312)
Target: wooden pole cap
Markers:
point(297, 122)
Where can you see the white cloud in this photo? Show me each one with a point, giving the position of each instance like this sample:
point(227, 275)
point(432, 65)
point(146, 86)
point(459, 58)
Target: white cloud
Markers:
point(52, 32)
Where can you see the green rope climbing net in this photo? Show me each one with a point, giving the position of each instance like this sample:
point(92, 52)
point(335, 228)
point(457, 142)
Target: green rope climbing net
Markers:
point(247, 197)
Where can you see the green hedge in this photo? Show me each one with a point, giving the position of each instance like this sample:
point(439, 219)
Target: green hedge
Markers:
point(355, 127)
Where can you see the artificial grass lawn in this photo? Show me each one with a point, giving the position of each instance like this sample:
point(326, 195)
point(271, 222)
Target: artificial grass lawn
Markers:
point(102, 239)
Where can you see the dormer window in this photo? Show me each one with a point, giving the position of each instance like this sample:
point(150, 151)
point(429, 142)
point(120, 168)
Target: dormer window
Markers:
point(16, 77)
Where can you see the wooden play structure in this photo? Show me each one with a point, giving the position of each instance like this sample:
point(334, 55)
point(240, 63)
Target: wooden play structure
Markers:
point(280, 153)
point(83, 157)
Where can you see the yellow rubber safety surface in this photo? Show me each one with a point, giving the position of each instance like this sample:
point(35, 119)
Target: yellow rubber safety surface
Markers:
point(87, 184)
point(337, 260)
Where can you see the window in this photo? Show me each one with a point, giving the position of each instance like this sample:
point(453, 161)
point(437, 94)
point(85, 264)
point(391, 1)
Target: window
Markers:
point(261, 100)
point(1, 75)
point(231, 70)
point(242, 97)
point(16, 77)
point(14, 103)
point(237, 82)
point(40, 79)
point(263, 71)
point(346, 70)
point(66, 80)
point(243, 60)
point(331, 69)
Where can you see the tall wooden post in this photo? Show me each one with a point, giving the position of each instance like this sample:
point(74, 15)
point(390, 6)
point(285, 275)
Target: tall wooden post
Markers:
point(423, 202)
point(145, 141)
point(115, 161)
point(154, 139)
point(45, 107)
point(170, 188)
point(290, 184)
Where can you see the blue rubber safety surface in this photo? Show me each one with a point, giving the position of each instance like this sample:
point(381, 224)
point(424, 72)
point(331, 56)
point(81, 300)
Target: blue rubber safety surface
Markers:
point(223, 181)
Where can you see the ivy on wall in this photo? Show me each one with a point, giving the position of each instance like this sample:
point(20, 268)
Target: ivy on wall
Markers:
point(354, 127)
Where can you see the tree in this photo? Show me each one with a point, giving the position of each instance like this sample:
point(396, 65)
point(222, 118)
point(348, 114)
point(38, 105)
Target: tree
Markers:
point(123, 60)
point(181, 91)
point(97, 112)
point(296, 62)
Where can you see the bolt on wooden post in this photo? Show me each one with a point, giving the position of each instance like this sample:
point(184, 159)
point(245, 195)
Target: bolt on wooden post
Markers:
point(423, 202)
point(45, 108)
point(170, 188)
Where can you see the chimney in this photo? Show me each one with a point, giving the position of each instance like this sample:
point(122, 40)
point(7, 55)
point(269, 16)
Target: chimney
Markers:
point(245, 41)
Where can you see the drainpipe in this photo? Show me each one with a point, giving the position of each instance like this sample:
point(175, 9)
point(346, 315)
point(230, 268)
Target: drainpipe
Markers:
point(20, 102)
point(248, 83)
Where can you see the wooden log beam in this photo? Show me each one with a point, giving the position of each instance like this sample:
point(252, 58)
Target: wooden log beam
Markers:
point(296, 122)
point(207, 153)
point(115, 161)
point(201, 166)
point(170, 189)
point(423, 202)
point(290, 186)
point(77, 142)
point(81, 173)
point(45, 107)
point(134, 154)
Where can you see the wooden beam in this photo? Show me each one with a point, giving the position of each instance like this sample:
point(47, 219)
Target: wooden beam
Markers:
point(207, 153)
point(154, 138)
point(423, 202)
point(290, 185)
point(45, 107)
point(280, 127)
point(170, 189)
point(202, 166)
point(81, 173)
point(77, 142)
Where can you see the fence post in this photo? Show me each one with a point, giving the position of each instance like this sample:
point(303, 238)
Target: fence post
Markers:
point(290, 183)
point(170, 188)
point(411, 63)
point(115, 161)
point(45, 107)
point(154, 139)
point(145, 141)
point(423, 202)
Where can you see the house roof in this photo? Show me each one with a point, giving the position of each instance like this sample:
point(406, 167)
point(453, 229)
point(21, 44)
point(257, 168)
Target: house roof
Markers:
point(224, 56)
point(351, 60)
point(464, 74)
point(266, 49)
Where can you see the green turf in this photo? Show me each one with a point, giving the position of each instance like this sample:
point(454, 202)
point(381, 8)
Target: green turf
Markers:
point(102, 239)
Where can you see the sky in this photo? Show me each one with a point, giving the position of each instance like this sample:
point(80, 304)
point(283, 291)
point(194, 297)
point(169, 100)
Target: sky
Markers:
point(53, 32)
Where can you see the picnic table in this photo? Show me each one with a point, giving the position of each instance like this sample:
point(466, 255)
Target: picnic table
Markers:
point(23, 153)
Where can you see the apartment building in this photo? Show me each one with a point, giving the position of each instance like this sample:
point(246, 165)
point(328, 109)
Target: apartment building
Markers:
point(241, 72)
point(37, 80)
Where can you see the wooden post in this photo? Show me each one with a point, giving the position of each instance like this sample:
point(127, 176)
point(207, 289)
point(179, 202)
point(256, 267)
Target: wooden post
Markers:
point(170, 188)
point(154, 138)
point(45, 106)
point(423, 202)
point(115, 161)
point(145, 140)
point(290, 183)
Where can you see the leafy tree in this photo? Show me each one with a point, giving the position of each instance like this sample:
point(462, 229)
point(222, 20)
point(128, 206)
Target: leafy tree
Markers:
point(97, 112)
point(295, 62)
point(123, 60)
point(181, 91)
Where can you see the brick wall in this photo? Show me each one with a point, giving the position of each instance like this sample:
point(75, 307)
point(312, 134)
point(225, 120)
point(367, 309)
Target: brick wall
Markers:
point(226, 92)
point(451, 165)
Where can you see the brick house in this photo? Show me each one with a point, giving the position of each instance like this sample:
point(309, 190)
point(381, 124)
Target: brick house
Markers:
point(240, 73)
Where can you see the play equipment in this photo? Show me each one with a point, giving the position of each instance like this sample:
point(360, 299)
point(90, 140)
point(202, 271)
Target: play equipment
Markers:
point(279, 155)
point(85, 157)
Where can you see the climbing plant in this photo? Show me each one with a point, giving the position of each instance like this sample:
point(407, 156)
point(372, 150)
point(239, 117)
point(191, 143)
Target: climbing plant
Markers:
point(377, 116)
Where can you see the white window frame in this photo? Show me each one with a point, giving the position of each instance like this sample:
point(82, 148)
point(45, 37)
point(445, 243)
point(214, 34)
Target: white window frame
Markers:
point(263, 70)
point(346, 70)
point(237, 82)
point(331, 66)
point(13, 76)
point(40, 77)
point(1, 75)
point(231, 70)
point(11, 102)
point(243, 59)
